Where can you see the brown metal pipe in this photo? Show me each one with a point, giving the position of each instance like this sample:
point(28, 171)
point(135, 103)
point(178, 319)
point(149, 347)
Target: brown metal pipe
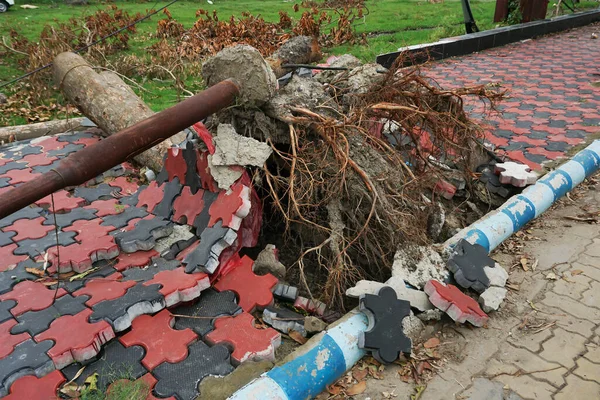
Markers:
point(95, 159)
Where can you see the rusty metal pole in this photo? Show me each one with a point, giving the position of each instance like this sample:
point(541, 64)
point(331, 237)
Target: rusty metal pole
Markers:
point(93, 160)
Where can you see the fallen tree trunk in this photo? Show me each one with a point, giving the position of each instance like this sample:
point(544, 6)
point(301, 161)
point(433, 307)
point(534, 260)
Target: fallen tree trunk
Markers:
point(31, 131)
point(108, 101)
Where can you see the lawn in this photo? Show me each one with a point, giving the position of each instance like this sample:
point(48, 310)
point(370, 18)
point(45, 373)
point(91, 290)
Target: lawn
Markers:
point(389, 24)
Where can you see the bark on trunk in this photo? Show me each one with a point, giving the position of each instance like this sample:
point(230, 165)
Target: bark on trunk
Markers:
point(108, 101)
point(31, 131)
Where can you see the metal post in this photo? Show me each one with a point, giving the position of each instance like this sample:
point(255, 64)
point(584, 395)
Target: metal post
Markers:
point(93, 160)
point(470, 24)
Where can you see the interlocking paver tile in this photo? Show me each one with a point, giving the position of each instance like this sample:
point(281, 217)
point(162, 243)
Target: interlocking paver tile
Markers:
point(34, 388)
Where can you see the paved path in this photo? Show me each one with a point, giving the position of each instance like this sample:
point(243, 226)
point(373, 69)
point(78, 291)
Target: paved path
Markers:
point(552, 104)
point(544, 343)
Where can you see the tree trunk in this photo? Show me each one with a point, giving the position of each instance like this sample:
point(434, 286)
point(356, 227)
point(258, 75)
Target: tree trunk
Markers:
point(108, 101)
point(30, 131)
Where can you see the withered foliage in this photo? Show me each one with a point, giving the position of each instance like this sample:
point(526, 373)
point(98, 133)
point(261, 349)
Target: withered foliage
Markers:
point(68, 36)
point(357, 196)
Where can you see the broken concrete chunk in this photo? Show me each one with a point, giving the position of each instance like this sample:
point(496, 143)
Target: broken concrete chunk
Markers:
point(268, 262)
point(303, 93)
point(234, 149)
point(343, 61)
point(417, 298)
point(245, 64)
point(418, 264)
point(225, 176)
point(492, 298)
point(431, 315)
point(314, 325)
point(497, 275)
point(284, 320)
point(412, 327)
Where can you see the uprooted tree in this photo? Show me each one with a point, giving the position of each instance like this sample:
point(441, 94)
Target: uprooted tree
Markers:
point(355, 152)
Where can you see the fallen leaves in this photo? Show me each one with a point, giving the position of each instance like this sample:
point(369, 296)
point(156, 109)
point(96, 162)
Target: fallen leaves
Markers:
point(431, 343)
point(524, 264)
point(297, 337)
point(357, 388)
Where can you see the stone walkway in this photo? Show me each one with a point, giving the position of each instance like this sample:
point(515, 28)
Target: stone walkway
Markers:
point(545, 341)
point(552, 104)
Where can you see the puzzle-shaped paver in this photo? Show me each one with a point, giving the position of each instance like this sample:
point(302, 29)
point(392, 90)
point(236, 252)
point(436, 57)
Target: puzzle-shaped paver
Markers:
point(137, 259)
point(192, 180)
point(310, 306)
point(106, 207)
point(202, 219)
point(101, 269)
point(177, 247)
point(248, 343)
point(384, 336)
point(50, 143)
point(103, 289)
point(5, 307)
point(8, 341)
point(26, 229)
point(11, 277)
point(178, 286)
point(34, 388)
point(31, 296)
point(231, 208)
point(253, 291)
point(34, 160)
point(467, 261)
point(175, 164)
point(65, 151)
point(36, 322)
point(35, 248)
point(182, 379)
point(9, 258)
point(23, 213)
point(493, 184)
point(138, 300)
point(205, 256)
point(284, 320)
point(208, 182)
point(79, 257)
point(455, 303)
point(125, 186)
point(42, 169)
point(121, 219)
point(114, 362)
point(100, 192)
point(18, 176)
point(4, 182)
point(13, 165)
point(210, 306)
point(144, 234)
point(27, 358)
point(147, 273)
point(74, 137)
point(285, 292)
point(6, 237)
point(62, 202)
point(19, 151)
point(132, 200)
point(165, 207)
point(157, 336)
point(515, 174)
point(150, 196)
point(67, 219)
point(82, 342)
point(187, 206)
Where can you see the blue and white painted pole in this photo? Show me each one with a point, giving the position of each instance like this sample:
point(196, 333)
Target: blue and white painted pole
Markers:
point(325, 358)
point(495, 227)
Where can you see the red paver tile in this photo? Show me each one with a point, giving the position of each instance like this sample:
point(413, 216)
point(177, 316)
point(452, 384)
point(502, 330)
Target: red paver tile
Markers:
point(188, 205)
point(62, 202)
point(8, 341)
point(178, 286)
point(7, 259)
point(208, 182)
point(82, 342)
point(230, 208)
point(29, 229)
point(51, 143)
point(248, 342)
point(563, 138)
point(456, 304)
point(150, 196)
point(107, 207)
point(127, 186)
point(525, 139)
point(34, 160)
point(520, 157)
point(101, 289)
point(31, 296)
point(33, 388)
point(20, 176)
point(175, 164)
point(137, 259)
point(253, 291)
point(551, 155)
point(161, 341)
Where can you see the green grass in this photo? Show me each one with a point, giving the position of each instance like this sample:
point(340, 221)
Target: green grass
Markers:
point(389, 24)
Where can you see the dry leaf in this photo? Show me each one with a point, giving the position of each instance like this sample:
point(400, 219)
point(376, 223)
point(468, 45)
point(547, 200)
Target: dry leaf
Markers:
point(535, 264)
point(576, 272)
point(35, 271)
point(334, 390)
point(524, 264)
point(431, 343)
point(297, 336)
point(357, 389)
point(551, 276)
point(360, 374)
